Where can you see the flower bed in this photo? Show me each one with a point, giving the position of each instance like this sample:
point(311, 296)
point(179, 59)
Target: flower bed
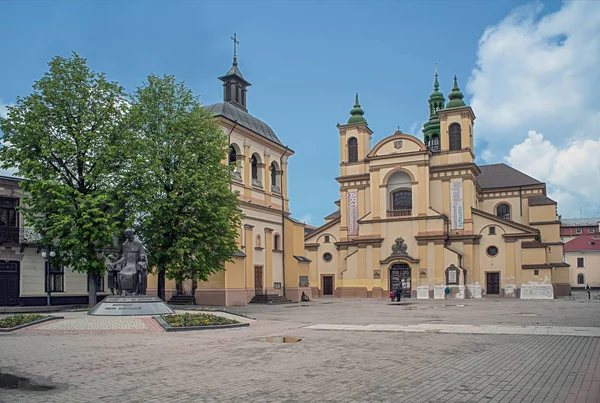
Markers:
point(20, 319)
point(196, 319)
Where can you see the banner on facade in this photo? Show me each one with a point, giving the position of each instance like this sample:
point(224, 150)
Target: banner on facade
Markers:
point(456, 205)
point(352, 207)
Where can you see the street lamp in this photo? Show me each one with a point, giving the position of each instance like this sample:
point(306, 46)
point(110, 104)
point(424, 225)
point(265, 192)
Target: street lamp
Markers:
point(47, 254)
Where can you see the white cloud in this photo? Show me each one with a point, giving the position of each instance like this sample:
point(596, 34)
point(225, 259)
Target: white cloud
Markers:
point(306, 218)
point(538, 74)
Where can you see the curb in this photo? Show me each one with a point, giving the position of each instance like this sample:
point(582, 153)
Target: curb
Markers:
point(35, 322)
point(169, 328)
point(241, 315)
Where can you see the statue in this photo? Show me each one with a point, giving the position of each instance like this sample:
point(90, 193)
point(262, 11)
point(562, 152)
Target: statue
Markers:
point(132, 267)
point(113, 273)
point(399, 247)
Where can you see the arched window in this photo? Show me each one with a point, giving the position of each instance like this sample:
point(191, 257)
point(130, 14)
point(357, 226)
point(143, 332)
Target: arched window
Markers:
point(435, 142)
point(401, 200)
point(254, 168)
point(232, 155)
point(276, 242)
point(273, 175)
point(454, 135)
point(399, 193)
point(353, 150)
point(503, 211)
point(580, 279)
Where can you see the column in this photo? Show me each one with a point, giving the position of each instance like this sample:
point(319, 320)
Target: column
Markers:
point(249, 261)
point(268, 268)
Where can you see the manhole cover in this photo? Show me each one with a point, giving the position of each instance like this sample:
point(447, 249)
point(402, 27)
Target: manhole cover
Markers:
point(282, 339)
point(8, 381)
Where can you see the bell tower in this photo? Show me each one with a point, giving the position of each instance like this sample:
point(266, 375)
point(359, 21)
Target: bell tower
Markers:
point(456, 126)
point(234, 84)
point(355, 142)
point(431, 129)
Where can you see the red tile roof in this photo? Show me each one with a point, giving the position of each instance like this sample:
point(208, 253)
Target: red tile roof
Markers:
point(583, 242)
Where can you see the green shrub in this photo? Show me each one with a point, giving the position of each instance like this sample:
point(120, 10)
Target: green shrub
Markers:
point(196, 319)
point(19, 319)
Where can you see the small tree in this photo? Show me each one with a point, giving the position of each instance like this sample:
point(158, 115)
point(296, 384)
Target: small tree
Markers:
point(68, 140)
point(187, 215)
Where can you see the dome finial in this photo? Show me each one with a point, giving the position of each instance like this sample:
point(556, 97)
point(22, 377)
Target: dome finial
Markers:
point(356, 113)
point(455, 97)
point(235, 43)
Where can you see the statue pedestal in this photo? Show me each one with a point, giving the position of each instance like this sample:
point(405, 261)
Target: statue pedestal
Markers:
point(139, 305)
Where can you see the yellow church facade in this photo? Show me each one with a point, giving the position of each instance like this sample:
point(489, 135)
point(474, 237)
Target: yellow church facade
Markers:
point(270, 264)
point(422, 217)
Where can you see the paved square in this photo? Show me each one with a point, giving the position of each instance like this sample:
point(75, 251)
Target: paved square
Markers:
point(497, 355)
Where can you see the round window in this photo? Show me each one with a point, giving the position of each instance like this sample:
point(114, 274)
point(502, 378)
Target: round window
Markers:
point(328, 257)
point(492, 251)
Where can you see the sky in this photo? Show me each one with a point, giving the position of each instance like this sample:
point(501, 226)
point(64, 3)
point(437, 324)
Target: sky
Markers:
point(528, 69)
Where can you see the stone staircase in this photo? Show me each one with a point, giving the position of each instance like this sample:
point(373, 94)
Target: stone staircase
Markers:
point(182, 300)
point(270, 299)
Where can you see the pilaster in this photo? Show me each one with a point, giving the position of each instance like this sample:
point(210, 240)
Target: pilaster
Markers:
point(268, 258)
point(249, 261)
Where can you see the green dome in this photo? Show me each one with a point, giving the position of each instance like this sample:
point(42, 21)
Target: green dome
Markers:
point(455, 97)
point(436, 95)
point(357, 113)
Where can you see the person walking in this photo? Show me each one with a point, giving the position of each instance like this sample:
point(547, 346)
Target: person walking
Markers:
point(399, 293)
point(589, 291)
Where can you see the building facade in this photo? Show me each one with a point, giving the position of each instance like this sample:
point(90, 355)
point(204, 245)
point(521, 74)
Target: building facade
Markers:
point(583, 254)
point(421, 216)
point(271, 257)
point(571, 228)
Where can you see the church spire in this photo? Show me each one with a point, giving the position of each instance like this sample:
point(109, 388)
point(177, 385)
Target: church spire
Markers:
point(234, 83)
point(455, 97)
point(436, 103)
point(356, 113)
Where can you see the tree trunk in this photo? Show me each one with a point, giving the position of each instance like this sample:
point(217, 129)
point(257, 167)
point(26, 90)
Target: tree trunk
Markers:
point(93, 298)
point(160, 287)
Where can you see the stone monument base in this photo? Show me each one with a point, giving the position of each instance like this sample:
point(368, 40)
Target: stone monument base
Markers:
point(139, 305)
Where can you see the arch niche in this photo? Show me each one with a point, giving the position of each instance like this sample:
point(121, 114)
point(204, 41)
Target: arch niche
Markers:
point(399, 195)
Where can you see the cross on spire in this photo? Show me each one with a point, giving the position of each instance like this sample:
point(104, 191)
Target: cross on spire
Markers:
point(235, 43)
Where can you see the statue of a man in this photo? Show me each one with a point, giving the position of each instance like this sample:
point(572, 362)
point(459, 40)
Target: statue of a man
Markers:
point(134, 266)
point(113, 273)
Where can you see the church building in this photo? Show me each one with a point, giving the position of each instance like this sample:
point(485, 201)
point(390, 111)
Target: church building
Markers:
point(270, 264)
point(421, 216)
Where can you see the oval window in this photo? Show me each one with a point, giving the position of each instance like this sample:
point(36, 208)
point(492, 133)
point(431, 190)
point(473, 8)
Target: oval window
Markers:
point(328, 257)
point(492, 251)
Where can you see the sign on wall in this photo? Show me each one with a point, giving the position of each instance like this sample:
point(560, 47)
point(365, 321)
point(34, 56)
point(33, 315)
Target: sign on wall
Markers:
point(456, 205)
point(352, 207)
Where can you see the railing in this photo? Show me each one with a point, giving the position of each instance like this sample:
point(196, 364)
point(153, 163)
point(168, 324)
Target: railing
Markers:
point(18, 235)
point(399, 213)
point(275, 189)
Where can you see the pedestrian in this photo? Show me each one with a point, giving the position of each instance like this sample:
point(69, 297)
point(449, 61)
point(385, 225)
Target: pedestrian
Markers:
point(589, 291)
point(399, 293)
point(446, 292)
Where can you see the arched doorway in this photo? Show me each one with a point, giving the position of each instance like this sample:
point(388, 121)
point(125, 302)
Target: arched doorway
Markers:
point(400, 275)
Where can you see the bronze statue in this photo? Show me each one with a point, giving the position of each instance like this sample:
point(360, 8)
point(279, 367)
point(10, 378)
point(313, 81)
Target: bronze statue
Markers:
point(132, 267)
point(113, 273)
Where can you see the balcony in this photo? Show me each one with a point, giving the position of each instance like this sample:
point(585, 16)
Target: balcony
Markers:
point(399, 213)
point(18, 235)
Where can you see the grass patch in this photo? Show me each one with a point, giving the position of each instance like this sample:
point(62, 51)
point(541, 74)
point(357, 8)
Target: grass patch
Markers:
point(20, 319)
point(196, 319)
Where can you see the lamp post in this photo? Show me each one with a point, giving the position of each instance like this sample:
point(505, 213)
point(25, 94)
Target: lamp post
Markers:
point(47, 254)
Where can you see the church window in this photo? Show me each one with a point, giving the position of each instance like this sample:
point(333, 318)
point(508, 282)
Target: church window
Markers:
point(232, 155)
point(327, 257)
point(454, 136)
point(254, 168)
point(326, 239)
point(492, 251)
point(275, 178)
point(435, 142)
point(580, 279)
point(492, 230)
point(580, 262)
point(536, 272)
point(402, 200)
point(503, 211)
point(276, 242)
point(353, 150)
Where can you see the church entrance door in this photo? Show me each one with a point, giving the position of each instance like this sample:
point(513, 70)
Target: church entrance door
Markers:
point(327, 285)
point(258, 280)
point(400, 274)
point(9, 283)
point(493, 283)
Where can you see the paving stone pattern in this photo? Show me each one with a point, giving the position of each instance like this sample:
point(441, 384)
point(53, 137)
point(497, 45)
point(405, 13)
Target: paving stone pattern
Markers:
point(326, 366)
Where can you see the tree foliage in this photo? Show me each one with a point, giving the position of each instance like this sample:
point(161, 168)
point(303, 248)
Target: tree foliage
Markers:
point(69, 141)
point(186, 213)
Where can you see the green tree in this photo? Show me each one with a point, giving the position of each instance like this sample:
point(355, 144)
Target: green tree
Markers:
point(186, 213)
point(68, 139)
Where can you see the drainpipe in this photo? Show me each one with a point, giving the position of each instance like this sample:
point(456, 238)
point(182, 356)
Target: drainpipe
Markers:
point(283, 219)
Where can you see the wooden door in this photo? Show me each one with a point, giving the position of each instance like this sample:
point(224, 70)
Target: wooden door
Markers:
point(400, 276)
point(9, 283)
point(327, 285)
point(493, 283)
point(258, 280)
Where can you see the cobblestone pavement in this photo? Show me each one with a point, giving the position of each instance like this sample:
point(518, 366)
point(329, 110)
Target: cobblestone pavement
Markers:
point(335, 366)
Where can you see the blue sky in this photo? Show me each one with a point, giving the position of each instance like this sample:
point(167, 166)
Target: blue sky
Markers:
point(305, 59)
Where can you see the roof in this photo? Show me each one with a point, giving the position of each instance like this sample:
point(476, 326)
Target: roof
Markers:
point(540, 200)
point(503, 176)
point(243, 118)
point(579, 222)
point(334, 215)
point(583, 243)
point(303, 259)
point(239, 253)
